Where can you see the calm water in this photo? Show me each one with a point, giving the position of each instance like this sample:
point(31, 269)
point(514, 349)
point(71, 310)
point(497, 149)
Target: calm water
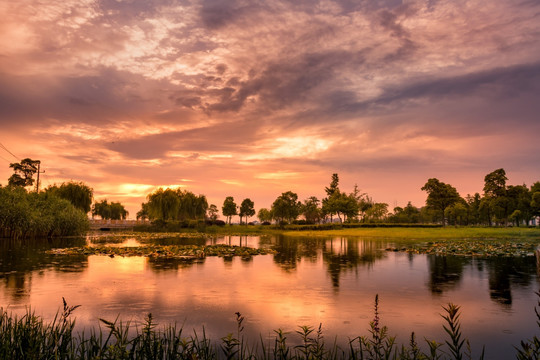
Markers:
point(309, 281)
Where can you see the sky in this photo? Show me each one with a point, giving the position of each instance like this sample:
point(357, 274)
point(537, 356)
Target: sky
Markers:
point(254, 98)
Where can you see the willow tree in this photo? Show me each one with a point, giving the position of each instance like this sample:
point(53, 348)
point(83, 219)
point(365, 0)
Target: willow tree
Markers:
point(163, 204)
point(77, 193)
point(109, 211)
point(168, 204)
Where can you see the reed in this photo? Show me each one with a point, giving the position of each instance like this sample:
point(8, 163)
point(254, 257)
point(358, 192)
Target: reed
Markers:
point(30, 337)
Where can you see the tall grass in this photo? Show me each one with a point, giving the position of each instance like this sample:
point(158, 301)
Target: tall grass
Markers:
point(30, 337)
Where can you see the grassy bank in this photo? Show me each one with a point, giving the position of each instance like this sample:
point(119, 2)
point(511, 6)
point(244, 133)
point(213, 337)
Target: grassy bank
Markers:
point(391, 231)
point(413, 233)
point(29, 337)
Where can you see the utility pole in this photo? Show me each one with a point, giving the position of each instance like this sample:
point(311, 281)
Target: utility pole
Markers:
point(38, 172)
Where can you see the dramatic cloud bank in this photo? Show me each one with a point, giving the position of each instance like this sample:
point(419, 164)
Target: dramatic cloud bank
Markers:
point(254, 98)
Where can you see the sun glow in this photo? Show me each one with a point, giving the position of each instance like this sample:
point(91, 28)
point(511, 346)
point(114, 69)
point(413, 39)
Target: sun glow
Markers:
point(304, 146)
point(279, 175)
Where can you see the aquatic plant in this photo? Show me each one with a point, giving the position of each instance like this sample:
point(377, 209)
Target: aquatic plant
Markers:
point(30, 337)
point(180, 252)
point(473, 248)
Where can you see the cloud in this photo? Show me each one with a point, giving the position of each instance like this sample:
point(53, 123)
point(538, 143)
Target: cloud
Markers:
point(253, 92)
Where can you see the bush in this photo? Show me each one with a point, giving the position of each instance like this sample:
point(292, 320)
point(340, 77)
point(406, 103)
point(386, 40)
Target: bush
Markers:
point(25, 214)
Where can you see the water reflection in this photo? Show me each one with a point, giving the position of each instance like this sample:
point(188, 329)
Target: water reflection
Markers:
point(291, 250)
point(21, 260)
point(306, 282)
point(445, 272)
point(164, 264)
point(507, 272)
point(344, 254)
point(504, 274)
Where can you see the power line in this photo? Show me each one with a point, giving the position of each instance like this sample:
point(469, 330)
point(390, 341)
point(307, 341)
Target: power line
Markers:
point(5, 148)
point(3, 158)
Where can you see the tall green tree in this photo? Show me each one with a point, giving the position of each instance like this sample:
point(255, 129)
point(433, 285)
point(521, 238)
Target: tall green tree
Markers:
point(78, 193)
point(408, 215)
point(286, 207)
point(143, 214)
point(377, 212)
point(213, 212)
point(163, 204)
point(311, 210)
point(246, 209)
point(496, 196)
point(24, 172)
point(456, 214)
point(440, 196)
point(330, 204)
point(535, 199)
point(191, 206)
point(264, 215)
point(473, 209)
point(520, 210)
point(109, 211)
point(177, 205)
point(495, 183)
point(334, 185)
point(229, 208)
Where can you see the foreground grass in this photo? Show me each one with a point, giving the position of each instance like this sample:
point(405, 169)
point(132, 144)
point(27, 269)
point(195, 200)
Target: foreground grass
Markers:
point(29, 337)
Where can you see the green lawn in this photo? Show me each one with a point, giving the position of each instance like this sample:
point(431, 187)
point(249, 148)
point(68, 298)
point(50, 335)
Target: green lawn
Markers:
point(448, 232)
point(428, 233)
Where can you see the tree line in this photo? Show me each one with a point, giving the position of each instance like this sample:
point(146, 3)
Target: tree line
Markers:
point(78, 193)
point(499, 204)
point(58, 210)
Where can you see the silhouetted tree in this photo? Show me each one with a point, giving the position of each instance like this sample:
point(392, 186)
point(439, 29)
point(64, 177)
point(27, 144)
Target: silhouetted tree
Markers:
point(246, 209)
point(23, 172)
point(440, 196)
point(78, 193)
point(286, 207)
point(229, 208)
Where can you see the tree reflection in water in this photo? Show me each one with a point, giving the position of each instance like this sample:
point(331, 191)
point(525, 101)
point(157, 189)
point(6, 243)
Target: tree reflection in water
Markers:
point(159, 264)
point(445, 272)
point(343, 254)
point(507, 272)
point(290, 250)
point(339, 254)
point(20, 259)
point(504, 273)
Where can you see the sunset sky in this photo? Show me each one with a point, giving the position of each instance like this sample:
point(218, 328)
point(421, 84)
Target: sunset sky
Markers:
point(254, 98)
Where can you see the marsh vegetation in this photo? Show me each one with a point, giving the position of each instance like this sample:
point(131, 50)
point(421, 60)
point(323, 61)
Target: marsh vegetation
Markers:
point(30, 337)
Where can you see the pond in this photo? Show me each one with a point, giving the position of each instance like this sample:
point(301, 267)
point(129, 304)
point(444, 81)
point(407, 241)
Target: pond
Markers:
point(306, 281)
